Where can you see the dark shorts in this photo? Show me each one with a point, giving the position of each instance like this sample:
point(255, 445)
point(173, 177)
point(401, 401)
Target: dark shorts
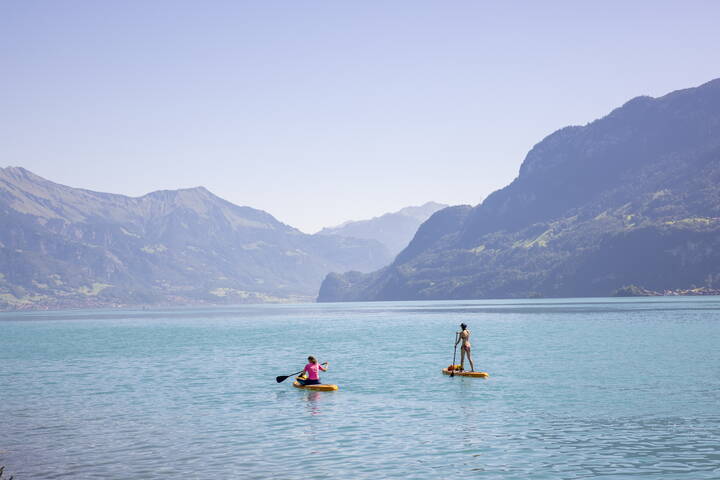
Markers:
point(305, 381)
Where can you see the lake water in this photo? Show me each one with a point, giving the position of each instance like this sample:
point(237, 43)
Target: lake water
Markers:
point(582, 388)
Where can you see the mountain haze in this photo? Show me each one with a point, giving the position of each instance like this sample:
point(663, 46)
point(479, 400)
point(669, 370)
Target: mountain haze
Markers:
point(394, 230)
point(630, 199)
point(63, 246)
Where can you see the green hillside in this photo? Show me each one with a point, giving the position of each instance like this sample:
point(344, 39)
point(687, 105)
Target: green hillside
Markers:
point(630, 199)
point(66, 247)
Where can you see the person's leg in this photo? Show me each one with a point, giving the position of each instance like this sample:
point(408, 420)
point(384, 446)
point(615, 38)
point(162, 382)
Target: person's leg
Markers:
point(462, 358)
point(472, 365)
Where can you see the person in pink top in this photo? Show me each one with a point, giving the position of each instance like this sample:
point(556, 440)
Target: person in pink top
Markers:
point(311, 373)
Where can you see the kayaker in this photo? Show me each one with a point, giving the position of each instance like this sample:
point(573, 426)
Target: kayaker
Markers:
point(464, 337)
point(311, 372)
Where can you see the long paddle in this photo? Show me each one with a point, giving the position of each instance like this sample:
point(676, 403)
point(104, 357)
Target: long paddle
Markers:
point(282, 378)
point(452, 373)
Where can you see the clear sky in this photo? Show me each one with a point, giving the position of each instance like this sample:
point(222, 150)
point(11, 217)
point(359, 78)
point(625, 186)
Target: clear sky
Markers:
point(324, 111)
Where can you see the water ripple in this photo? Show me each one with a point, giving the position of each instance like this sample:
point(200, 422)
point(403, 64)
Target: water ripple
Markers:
point(578, 389)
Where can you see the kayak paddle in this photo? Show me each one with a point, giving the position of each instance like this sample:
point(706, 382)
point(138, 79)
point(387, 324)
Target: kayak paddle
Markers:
point(282, 378)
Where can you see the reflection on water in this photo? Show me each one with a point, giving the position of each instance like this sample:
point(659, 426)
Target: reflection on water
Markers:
point(313, 401)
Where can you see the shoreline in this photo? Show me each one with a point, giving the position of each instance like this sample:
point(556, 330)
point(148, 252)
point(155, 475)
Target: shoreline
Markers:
point(624, 292)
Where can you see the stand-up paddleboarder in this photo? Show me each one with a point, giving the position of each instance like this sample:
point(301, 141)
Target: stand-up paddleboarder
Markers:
point(464, 337)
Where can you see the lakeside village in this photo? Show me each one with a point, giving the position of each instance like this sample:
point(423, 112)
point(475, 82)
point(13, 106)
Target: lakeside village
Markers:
point(635, 291)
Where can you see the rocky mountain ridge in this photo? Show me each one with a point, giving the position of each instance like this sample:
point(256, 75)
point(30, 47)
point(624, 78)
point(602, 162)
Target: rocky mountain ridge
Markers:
point(67, 247)
point(632, 198)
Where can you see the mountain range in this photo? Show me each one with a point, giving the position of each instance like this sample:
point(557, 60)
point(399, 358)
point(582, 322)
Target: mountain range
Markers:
point(394, 230)
point(69, 247)
point(628, 200)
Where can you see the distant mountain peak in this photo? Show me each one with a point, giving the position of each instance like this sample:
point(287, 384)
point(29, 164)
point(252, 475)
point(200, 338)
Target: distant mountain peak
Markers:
point(410, 211)
point(394, 229)
point(17, 171)
point(422, 212)
point(180, 193)
point(21, 174)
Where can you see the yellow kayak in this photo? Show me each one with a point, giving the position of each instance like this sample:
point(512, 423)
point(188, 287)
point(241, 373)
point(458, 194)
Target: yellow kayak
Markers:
point(467, 374)
point(323, 387)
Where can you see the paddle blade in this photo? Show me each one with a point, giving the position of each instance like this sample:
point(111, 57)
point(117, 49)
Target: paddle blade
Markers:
point(281, 378)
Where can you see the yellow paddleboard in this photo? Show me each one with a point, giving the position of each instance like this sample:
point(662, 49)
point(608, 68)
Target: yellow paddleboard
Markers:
point(467, 374)
point(323, 387)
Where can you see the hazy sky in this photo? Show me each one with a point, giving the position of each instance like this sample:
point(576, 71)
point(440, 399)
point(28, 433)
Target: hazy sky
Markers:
point(324, 111)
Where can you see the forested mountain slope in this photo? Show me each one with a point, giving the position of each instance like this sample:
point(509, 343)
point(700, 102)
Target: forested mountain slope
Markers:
point(68, 247)
point(631, 198)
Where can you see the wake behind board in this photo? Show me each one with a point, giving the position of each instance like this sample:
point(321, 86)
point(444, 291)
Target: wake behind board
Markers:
point(467, 374)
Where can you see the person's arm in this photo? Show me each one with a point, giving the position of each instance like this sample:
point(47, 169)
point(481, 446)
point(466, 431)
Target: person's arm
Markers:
point(459, 337)
point(324, 369)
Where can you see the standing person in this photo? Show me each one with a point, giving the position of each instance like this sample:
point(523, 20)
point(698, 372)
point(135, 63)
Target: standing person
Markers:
point(311, 372)
point(464, 337)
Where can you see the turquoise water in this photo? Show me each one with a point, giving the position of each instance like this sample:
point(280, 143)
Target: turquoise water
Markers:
point(588, 388)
